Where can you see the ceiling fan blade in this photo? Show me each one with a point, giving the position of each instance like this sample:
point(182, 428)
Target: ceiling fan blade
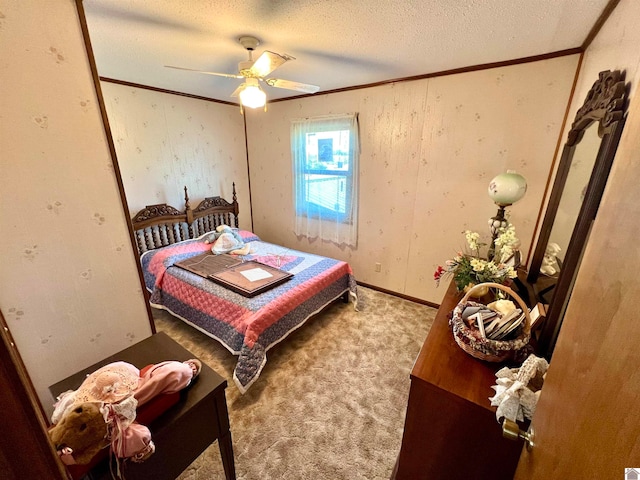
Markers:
point(237, 91)
point(229, 75)
point(288, 84)
point(267, 63)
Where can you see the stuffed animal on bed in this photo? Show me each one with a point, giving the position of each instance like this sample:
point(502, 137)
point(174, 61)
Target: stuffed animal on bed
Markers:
point(227, 240)
point(102, 411)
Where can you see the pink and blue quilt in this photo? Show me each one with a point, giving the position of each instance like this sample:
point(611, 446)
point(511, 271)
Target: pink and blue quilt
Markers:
point(247, 327)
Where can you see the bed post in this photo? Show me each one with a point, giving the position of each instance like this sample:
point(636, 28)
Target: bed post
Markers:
point(187, 207)
point(235, 204)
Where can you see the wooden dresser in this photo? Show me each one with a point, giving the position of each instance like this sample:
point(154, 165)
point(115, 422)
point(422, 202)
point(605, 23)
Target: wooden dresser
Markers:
point(450, 428)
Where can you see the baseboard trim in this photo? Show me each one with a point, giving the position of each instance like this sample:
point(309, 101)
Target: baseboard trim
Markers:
point(400, 295)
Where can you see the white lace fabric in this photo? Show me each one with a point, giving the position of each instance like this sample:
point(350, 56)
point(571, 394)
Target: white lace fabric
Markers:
point(518, 389)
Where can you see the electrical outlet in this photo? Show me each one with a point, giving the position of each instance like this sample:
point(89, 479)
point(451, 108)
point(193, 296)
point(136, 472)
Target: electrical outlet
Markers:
point(378, 267)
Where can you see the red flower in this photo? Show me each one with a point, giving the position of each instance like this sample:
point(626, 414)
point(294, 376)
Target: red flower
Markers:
point(438, 273)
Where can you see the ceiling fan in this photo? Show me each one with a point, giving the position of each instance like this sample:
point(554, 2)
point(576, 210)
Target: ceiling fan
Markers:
point(253, 72)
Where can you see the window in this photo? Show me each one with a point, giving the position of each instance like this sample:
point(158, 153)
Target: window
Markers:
point(325, 154)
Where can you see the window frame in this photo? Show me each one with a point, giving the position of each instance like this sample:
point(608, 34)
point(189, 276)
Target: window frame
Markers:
point(304, 207)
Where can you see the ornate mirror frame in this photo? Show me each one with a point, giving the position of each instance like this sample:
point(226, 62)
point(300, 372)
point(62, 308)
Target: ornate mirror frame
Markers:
point(606, 104)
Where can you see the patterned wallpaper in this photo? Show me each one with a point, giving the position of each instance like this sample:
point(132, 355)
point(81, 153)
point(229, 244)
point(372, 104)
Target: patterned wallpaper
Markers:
point(69, 288)
point(429, 149)
point(164, 142)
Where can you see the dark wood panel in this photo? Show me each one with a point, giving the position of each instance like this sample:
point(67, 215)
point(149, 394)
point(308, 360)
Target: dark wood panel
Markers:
point(25, 450)
point(451, 438)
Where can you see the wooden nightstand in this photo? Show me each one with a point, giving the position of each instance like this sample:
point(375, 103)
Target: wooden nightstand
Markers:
point(184, 431)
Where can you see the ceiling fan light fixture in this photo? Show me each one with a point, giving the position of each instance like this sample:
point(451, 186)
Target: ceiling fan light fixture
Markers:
point(252, 95)
point(253, 72)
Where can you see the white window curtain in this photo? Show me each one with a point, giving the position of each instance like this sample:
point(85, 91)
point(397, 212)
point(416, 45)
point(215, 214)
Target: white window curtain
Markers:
point(325, 153)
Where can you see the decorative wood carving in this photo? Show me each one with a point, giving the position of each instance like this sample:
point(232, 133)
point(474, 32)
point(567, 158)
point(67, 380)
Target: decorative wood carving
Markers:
point(604, 103)
point(214, 211)
point(151, 212)
point(211, 202)
point(159, 225)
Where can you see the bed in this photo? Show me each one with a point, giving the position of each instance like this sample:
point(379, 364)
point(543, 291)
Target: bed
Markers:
point(247, 326)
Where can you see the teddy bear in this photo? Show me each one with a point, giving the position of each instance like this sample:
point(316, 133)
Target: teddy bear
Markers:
point(81, 433)
point(102, 411)
point(226, 240)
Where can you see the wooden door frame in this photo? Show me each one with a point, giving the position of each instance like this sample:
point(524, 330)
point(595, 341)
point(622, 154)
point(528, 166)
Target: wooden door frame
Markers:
point(24, 444)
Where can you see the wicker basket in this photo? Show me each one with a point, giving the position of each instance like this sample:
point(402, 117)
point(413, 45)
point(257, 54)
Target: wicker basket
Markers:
point(472, 342)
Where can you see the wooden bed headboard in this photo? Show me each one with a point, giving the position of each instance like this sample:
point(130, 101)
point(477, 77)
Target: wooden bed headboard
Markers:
point(160, 225)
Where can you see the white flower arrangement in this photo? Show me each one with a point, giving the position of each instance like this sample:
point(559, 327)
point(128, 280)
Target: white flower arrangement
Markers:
point(472, 268)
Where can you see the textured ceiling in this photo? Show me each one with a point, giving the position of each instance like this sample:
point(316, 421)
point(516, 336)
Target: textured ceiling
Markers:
point(337, 43)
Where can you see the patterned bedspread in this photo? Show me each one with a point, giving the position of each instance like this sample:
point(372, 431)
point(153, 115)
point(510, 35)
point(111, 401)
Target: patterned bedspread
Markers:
point(247, 327)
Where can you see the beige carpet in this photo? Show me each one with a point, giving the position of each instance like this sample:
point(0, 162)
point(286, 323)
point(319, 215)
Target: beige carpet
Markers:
point(331, 400)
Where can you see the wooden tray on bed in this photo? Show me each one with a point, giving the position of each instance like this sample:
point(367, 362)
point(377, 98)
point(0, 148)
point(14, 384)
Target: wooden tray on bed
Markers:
point(250, 278)
point(207, 264)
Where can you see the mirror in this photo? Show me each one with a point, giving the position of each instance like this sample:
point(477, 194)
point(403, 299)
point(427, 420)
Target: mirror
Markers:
point(571, 200)
point(582, 174)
